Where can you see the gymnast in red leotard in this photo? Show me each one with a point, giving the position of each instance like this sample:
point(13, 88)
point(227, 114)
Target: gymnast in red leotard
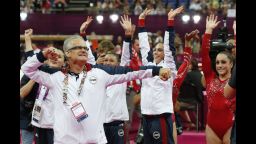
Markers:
point(220, 115)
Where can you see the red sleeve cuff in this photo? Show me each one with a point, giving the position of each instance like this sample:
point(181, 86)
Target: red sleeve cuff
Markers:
point(141, 22)
point(170, 22)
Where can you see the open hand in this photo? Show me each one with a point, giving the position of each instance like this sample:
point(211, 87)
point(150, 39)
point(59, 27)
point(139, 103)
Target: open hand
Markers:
point(172, 13)
point(211, 23)
point(145, 13)
point(126, 23)
point(85, 24)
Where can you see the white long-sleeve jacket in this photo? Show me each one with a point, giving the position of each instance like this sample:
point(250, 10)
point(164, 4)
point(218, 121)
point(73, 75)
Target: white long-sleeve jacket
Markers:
point(47, 115)
point(66, 128)
point(156, 94)
point(116, 105)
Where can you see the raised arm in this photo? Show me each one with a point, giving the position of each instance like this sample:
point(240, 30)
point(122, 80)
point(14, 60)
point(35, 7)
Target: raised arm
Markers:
point(30, 67)
point(143, 36)
point(183, 69)
point(29, 52)
point(28, 43)
point(169, 49)
point(211, 23)
point(83, 27)
point(128, 29)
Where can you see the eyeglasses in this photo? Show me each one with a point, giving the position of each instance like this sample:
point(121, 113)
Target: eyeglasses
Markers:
point(78, 47)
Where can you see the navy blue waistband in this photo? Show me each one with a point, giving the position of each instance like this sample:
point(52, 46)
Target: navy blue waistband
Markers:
point(114, 123)
point(157, 116)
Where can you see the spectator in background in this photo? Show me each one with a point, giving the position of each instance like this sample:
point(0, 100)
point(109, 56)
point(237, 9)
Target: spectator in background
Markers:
point(137, 8)
point(214, 6)
point(94, 42)
point(178, 44)
point(205, 7)
point(46, 6)
point(119, 41)
point(151, 6)
point(160, 9)
point(195, 6)
point(126, 10)
point(107, 5)
point(118, 4)
point(37, 5)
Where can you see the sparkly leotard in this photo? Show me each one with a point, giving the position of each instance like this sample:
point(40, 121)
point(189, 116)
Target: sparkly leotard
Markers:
point(220, 115)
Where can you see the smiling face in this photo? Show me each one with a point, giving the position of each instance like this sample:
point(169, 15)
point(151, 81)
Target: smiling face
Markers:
point(158, 53)
point(223, 64)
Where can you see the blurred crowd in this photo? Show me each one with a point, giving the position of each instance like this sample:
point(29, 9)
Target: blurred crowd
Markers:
point(134, 7)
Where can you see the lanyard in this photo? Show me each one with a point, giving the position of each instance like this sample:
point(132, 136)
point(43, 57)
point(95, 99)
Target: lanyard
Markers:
point(65, 88)
point(42, 91)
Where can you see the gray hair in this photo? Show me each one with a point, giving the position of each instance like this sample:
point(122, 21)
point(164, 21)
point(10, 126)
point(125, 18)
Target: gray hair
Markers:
point(68, 42)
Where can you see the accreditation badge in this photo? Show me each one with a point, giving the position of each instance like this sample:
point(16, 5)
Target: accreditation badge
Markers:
point(37, 111)
point(79, 111)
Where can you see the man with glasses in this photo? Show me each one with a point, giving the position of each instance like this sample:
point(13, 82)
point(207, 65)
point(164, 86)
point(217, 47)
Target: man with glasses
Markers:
point(79, 91)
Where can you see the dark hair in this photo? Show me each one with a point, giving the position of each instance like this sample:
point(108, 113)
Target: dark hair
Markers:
point(134, 39)
point(229, 55)
point(194, 64)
